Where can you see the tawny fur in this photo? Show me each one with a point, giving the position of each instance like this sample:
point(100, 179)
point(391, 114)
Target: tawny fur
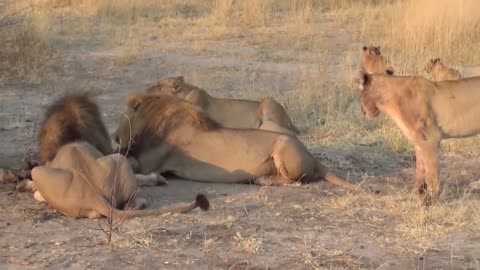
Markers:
point(80, 183)
point(440, 72)
point(233, 113)
point(76, 177)
point(426, 112)
point(172, 135)
point(373, 62)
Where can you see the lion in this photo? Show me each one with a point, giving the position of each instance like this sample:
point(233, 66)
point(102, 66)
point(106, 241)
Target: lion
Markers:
point(79, 175)
point(426, 112)
point(80, 182)
point(373, 62)
point(440, 72)
point(265, 114)
point(72, 118)
point(165, 134)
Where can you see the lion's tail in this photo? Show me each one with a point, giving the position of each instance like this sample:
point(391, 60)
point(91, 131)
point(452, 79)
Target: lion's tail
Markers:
point(201, 201)
point(323, 172)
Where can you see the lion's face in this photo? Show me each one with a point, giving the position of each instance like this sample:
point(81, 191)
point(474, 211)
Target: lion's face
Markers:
point(368, 102)
point(168, 86)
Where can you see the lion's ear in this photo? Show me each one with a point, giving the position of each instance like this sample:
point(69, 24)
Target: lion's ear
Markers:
point(178, 82)
point(134, 101)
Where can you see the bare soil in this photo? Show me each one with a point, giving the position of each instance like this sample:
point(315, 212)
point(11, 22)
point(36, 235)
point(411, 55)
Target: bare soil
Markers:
point(248, 227)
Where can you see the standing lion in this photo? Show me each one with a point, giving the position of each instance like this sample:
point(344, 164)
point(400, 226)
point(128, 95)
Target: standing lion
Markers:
point(426, 112)
point(440, 72)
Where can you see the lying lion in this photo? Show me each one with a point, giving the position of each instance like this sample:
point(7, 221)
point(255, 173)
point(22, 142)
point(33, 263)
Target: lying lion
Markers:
point(72, 118)
point(266, 114)
point(440, 72)
point(76, 178)
point(171, 135)
point(81, 182)
point(426, 112)
point(373, 62)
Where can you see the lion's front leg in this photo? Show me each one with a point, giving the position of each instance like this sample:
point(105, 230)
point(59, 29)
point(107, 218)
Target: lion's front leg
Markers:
point(430, 158)
point(152, 179)
point(420, 184)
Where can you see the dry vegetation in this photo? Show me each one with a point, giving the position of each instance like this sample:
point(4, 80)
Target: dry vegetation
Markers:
point(409, 32)
point(320, 95)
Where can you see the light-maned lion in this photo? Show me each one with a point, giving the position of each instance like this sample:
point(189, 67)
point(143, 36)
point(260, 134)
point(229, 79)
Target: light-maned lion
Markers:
point(426, 112)
point(172, 135)
point(266, 114)
point(373, 62)
point(81, 182)
point(440, 72)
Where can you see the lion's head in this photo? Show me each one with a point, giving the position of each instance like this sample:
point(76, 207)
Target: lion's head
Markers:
point(374, 62)
point(149, 118)
point(372, 50)
point(368, 97)
point(430, 64)
point(168, 86)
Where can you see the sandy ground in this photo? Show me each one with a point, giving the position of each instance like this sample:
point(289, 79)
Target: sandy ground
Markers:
point(248, 227)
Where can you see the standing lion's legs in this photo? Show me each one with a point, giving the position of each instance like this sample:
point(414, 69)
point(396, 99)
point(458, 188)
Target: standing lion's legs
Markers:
point(420, 185)
point(430, 154)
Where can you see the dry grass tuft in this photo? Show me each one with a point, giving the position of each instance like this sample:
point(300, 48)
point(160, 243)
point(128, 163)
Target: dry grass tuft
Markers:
point(247, 244)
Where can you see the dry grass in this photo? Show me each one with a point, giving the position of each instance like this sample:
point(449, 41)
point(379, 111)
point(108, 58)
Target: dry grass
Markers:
point(406, 225)
point(25, 54)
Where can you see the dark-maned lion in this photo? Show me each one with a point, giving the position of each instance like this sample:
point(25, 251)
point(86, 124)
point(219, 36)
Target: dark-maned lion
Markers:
point(79, 176)
point(266, 114)
point(171, 135)
point(373, 62)
point(440, 72)
point(426, 112)
point(72, 118)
